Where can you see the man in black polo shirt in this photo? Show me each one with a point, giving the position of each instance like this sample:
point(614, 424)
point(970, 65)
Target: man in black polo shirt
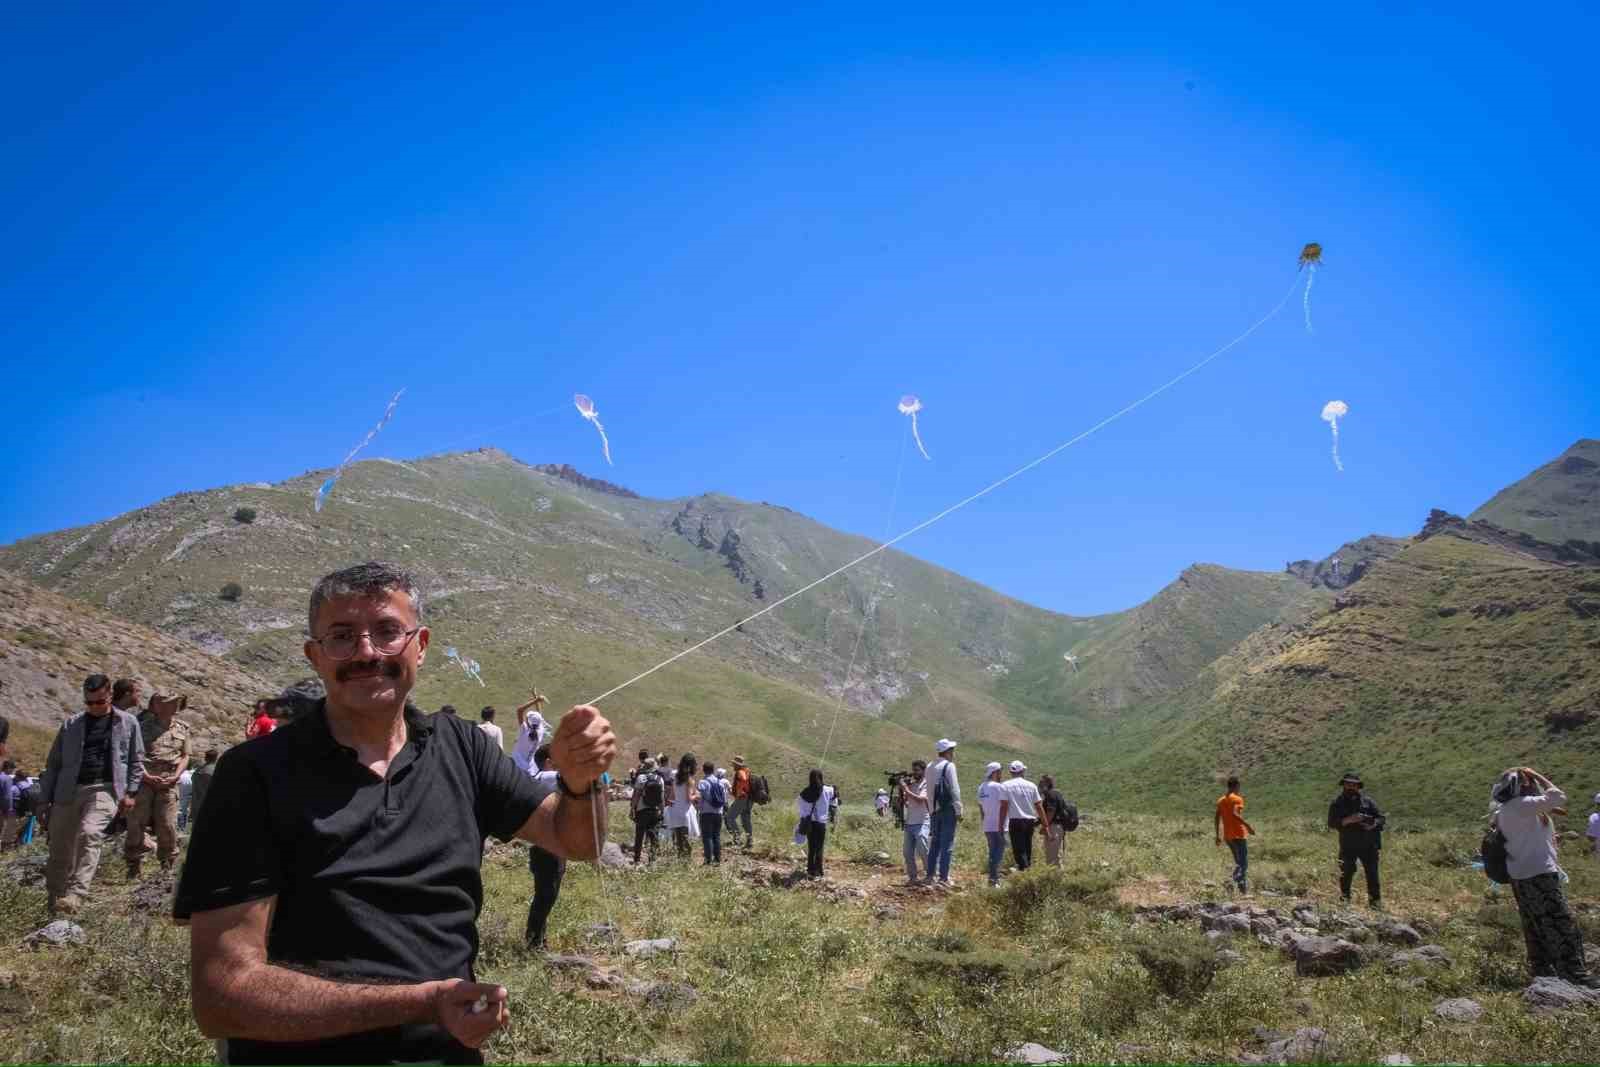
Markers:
point(332, 883)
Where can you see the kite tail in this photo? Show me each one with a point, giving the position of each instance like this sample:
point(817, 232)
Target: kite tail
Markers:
point(918, 437)
point(1337, 464)
point(605, 445)
point(1311, 276)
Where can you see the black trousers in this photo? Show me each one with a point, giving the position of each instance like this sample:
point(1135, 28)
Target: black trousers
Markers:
point(814, 842)
point(547, 871)
point(644, 829)
point(1022, 842)
point(1367, 855)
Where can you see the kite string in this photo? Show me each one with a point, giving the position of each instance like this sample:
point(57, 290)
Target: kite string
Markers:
point(867, 608)
point(958, 505)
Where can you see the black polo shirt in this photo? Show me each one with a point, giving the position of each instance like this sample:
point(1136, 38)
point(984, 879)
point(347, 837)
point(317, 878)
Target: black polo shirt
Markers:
point(377, 879)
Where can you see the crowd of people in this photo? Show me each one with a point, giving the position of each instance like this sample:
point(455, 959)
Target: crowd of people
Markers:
point(333, 880)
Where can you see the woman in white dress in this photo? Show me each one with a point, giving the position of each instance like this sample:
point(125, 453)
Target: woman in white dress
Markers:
point(681, 797)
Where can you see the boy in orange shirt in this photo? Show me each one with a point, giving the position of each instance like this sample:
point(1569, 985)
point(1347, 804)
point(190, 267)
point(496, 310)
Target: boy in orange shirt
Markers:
point(1232, 828)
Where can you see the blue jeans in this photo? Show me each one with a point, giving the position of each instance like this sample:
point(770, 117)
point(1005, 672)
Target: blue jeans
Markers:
point(997, 852)
point(711, 836)
point(916, 843)
point(1241, 859)
point(943, 844)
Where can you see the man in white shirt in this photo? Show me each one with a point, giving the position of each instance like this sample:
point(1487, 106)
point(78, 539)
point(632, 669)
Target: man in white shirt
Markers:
point(943, 791)
point(487, 726)
point(994, 802)
point(914, 821)
point(1026, 814)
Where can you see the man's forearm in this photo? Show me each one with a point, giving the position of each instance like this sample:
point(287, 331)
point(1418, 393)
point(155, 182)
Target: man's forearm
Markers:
point(574, 825)
point(265, 1002)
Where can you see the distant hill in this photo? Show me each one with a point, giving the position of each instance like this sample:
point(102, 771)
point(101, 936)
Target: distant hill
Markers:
point(548, 577)
point(1558, 502)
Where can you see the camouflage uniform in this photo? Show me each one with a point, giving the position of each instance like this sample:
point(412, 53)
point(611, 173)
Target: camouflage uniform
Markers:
point(164, 747)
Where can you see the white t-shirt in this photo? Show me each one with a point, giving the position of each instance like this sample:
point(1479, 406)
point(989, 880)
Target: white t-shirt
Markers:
point(913, 811)
point(1530, 843)
point(818, 811)
point(497, 735)
point(1594, 826)
point(1024, 795)
point(991, 795)
point(882, 802)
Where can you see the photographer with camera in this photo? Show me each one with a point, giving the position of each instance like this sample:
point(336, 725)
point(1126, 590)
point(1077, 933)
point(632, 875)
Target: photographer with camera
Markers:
point(1360, 824)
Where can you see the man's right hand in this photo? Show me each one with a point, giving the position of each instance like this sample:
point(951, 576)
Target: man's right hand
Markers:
point(453, 1002)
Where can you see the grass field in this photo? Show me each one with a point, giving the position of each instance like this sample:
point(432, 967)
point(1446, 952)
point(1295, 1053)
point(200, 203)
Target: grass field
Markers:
point(822, 974)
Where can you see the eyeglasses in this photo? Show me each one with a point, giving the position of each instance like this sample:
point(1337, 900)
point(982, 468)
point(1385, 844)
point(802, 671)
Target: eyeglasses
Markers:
point(387, 640)
point(96, 703)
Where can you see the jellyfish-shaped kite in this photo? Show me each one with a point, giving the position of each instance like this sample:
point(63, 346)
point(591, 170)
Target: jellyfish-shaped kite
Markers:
point(585, 408)
point(1310, 256)
point(1332, 412)
point(910, 405)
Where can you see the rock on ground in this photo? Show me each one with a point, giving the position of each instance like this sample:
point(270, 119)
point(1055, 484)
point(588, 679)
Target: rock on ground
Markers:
point(1033, 1052)
point(1397, 933)
point(60, 932)
point(1303, 1046)
point(1322, 957)
point(1396, 1059)
point(1556, 994)
point(1458, 1010)
point(650, 947)
point(1427, 955)
point(613, 856)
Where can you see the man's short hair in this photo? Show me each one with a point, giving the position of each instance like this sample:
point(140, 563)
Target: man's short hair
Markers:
point(1233, 783)
point(448, 709)
point(9, 765)
point(95, 682)
point(371, 579)
point(541, 756)
point(122, 687)
point(644, 754)
point(212, 755)
point(919, 763)
point(487, 714)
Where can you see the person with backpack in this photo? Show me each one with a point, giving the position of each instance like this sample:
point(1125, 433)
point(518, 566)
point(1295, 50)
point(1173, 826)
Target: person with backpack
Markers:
point(815, 805)
point(739, 810)
point(1060, 819)
point(649, 797)
point(1522, 803)
point(944, 801)
point(1360, 825)
point(1231, 827)
point(713, 801)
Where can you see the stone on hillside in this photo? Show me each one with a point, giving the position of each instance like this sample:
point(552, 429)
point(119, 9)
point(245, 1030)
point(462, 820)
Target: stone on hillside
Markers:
point(60, 932)
point(1556, 994)
point(613, 856)
point(1304, 1046)
point(1458, 1010)
point(599, 979)
point(1322, 957)
point(671, 996)
point(1226, 922)
point(1397, 933)
point(1425, 955)
point(650, 947)
point(1396, 1059)
point(559, 962)
point(1033, 1052)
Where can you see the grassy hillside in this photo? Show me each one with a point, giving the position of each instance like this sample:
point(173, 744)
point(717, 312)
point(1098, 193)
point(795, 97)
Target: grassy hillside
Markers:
point(1445, 664)
point(548, 579)
point(1558, 502)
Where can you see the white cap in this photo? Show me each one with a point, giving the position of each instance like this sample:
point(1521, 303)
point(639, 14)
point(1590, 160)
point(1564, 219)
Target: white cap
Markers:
point(944, 744)
point(722, 772)
point(991, 768)
point(1017, 766)
point(883, 792)
point(1597, 800)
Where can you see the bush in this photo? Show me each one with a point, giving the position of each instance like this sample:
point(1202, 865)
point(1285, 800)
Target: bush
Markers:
point(231, 592)
point(1182, 962)
point(244, 515)
point(1040, 894)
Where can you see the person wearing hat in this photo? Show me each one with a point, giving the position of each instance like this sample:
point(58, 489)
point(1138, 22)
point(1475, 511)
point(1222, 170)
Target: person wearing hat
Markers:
point(994, 804)
point(739, 811)
point(881, 802)
point(943, 791)
point(1360, 824)
point(1026, 814)
point(166, 757)
point(1593, 832)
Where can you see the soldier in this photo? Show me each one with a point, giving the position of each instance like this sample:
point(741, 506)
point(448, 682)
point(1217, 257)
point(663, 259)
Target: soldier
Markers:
point(166, 757)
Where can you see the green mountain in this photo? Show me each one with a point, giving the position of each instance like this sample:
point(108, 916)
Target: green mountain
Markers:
point(553, 579)
point(1557, 503)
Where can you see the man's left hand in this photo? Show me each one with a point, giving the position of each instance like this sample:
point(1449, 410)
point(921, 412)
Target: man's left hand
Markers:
point(583, 747)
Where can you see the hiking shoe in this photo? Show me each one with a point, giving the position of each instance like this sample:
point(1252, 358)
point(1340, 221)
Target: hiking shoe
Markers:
point(1376, 905)
point(67, 905)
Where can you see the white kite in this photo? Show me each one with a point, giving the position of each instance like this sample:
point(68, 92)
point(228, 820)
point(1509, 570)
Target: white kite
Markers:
point(910, 405)
point(469, 667)
point(586, 409)
point(1332, 412)
point(327, 487)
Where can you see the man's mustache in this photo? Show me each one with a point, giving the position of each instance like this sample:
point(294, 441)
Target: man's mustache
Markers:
point(367, 669)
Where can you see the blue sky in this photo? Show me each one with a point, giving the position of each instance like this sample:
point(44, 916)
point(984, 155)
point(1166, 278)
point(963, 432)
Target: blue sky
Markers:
point(232, 235)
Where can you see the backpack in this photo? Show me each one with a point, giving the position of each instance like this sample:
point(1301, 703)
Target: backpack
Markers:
point(759, 793)
point(1069, 816)
point(651, 795)
point(713, 792)
point(24, 800)
point(1496, 860)
point(941, 791)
